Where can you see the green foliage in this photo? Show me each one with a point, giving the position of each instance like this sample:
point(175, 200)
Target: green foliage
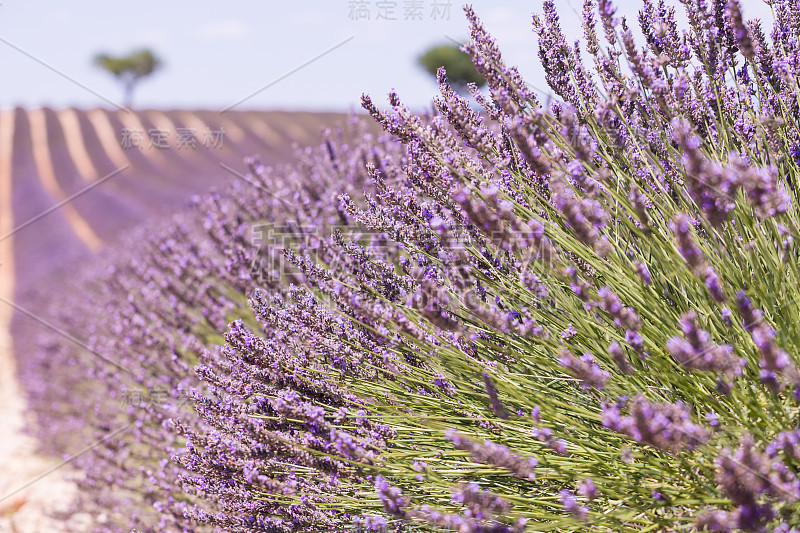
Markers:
point(459, 67)
point(130, 69)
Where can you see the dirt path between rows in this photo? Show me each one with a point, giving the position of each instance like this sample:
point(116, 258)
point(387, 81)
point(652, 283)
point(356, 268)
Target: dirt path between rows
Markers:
point(25, 502)
point(24, 509)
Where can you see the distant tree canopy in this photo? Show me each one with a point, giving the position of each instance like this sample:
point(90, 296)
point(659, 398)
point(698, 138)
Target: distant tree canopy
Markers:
point(459, 67)
point(129, 69)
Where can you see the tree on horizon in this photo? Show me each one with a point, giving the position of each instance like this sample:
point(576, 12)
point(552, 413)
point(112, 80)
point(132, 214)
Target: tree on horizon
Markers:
point(457, 64)
point(129, 69)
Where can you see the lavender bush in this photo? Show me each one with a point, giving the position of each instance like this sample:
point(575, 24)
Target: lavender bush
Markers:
point(154, 309)
point(570, 317)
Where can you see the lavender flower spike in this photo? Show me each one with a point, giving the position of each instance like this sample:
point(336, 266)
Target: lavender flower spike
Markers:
point(665, 426)
point(585, 369)
point(570, 503)
point(695, 351)
point(494, 402)
point(495, 454)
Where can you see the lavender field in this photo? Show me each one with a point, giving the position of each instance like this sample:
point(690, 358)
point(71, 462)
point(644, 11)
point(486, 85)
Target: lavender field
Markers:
point(502, 314)
point(75, 182)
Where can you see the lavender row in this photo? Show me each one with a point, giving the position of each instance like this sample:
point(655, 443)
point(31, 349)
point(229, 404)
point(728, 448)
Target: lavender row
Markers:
point(574, 316)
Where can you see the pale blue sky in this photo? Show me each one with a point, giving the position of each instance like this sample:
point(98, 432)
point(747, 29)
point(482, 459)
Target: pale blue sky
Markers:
point(217, 53)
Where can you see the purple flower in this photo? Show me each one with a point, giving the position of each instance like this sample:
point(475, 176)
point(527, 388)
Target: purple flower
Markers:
point(391, 498)
point(712, 186)
point(727, 316)
point(587, 489)
point(666, 426)
point(644, 273)
point(545, 434)
point(495, 454)
point(571, 505)
point(695, 351)
point(480, 504)
point(623, 316)
point(620, 359)
point(746, 475)
point(740, 32)
point(569, 332)
point(584, 369)
point(494, 401)
point(712, 285)
point(371, 522)
point(775, 362)
point(584, 216)
point(681, 228)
